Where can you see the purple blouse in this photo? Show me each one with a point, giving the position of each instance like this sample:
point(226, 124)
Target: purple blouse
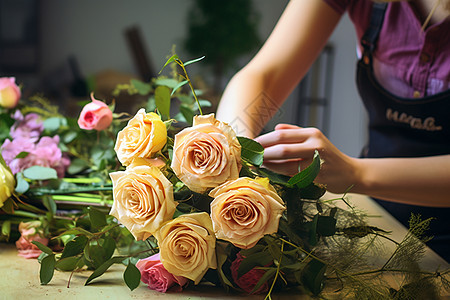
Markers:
point(408, 62)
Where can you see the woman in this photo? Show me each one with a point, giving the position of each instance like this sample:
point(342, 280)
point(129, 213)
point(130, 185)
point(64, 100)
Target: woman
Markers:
point(403, 79)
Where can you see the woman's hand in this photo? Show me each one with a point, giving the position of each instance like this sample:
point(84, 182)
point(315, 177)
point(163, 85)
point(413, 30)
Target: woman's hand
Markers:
point(289, 149)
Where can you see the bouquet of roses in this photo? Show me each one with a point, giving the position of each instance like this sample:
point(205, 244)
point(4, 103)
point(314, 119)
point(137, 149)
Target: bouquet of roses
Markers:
point(195, 204)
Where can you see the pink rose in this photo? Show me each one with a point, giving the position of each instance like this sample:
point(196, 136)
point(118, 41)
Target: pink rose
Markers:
point(248, 281)
point(156, 276)
point(95, 115)
point(29, 233)
point(9, 92)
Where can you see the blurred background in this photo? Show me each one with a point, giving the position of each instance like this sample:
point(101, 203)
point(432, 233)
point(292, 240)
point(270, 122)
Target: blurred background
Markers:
point(66, 49)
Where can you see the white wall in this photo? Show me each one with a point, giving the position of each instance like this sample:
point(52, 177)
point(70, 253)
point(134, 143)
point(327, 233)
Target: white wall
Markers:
point(94, 32)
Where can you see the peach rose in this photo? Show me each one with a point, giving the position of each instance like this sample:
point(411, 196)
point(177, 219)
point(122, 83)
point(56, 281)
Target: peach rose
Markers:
point(187, 246)
point(143, 198)
point(244, 210)
point(29, 232)
point(9, 92)
point(206, 154)
point(144, 135)
point(95, 115)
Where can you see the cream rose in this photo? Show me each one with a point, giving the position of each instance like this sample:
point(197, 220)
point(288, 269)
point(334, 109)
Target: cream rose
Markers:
point(144, 135)
point(244, 210)
point(206, 154)
point(7, 182)
point(187, 246)
point(143, 198)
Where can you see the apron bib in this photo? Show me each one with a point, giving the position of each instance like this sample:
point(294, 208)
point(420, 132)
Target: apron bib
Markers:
point(400, 127)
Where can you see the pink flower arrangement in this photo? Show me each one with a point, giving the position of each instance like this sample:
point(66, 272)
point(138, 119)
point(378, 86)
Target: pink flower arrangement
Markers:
point(29, 126)
point(44, 153)
point(9, 92)
point(248, 281)
point(29, 233)
point(95, 115)
point(157, 277)
point(41, 152)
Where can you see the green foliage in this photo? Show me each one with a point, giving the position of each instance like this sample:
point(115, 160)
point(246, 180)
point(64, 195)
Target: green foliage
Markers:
point(251, 151)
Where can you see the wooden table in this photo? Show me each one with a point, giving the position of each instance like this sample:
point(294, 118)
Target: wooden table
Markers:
point(20, 277)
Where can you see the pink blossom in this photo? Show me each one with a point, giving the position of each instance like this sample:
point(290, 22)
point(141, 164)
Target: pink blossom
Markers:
point(9, 92)
point(26, 126)
point(249, 280)
point(30, 233)
point(95, 115)
point(44, 153)
point(156, 276)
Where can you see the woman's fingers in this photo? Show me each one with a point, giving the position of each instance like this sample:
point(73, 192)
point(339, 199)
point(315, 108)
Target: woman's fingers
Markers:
point(282, 126)
point(288, 151)
point(283, 136)
point(287, 167)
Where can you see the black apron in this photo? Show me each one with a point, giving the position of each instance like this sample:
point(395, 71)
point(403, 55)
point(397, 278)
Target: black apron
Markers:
point(400, 127)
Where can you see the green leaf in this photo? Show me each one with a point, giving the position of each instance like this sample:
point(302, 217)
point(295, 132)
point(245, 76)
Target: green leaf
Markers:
point(68, 263)
point(142, 87)
point(69, 136)
point(97, 218)
point(8, 206)
point(326, 226)
point(258, 259)
point(170, 60)
point(43, 248)
point(204, 103)
point(6, 228)
point(313, 191)
point(22, 185)
point(47, 269)
point(251, 151)
point(307, 176)
point(53, 124)
point(75, 246)
point(132, 276)
point(95, 254)
point(313, 276)
point(267, 275)
point(50, 204)
point(109, 245)
point(193, 61)
point(105, 266)
point(40, 173)
point(77, 165)
point(313, 239)
point(162, 100)
point(178, 86)
point(187, 113)
point(22, 154)
point(169, 82)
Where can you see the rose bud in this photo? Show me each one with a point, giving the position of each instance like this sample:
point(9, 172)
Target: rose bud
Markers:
point(95, 115)
point(9, 92)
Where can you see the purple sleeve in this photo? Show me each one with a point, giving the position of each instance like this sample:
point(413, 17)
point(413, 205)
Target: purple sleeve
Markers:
point(338, 5)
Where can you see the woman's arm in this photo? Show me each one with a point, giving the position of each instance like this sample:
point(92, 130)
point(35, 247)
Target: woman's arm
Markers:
point(257, 91)
point(418, 181)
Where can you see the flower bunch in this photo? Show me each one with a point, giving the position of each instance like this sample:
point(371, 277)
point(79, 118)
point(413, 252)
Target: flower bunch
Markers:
point(180, 201)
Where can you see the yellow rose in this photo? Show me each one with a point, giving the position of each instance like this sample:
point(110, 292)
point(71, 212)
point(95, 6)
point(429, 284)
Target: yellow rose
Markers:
point(244, 210)
point(206, 154)
point(143, 198)
point(187, 246)
point(7, 182)
point(144, 135)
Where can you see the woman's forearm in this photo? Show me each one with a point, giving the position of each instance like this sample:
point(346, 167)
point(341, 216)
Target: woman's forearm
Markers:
point(418, 181)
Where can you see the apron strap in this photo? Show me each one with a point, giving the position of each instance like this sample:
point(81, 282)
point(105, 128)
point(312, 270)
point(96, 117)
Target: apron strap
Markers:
point(369, 39)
